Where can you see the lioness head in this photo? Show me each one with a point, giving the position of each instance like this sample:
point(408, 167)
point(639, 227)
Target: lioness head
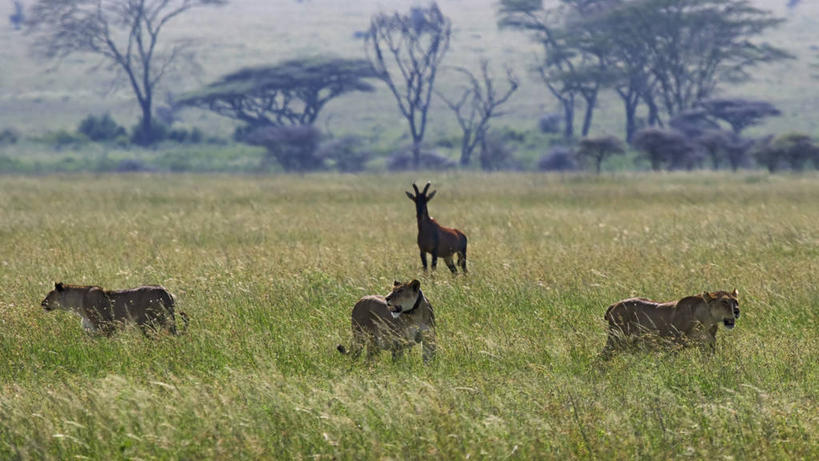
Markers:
point(403, 297)
point(54, 299)
point(724, 306)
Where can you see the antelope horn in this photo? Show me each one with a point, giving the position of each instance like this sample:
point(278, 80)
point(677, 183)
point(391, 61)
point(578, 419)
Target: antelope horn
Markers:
point(426, 188)
point(416, 188)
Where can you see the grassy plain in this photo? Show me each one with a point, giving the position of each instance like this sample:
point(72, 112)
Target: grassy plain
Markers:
point(268, 269)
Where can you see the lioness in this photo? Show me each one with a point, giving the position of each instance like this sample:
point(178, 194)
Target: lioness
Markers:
point(393, 322)
point(102, 310)
point(693, 318)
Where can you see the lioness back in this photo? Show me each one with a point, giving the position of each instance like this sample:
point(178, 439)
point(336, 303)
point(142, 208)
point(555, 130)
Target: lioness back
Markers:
point(370, 312)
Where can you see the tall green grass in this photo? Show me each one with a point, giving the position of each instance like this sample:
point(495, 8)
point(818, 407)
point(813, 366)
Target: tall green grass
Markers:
point(268, 269)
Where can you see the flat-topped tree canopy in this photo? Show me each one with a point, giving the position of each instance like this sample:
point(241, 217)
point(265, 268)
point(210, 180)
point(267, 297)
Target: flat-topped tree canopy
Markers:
point(288, 93)
point(739, 113)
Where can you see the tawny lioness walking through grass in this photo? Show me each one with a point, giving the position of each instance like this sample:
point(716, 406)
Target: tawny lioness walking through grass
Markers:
point(149, 307)
point(690, 319)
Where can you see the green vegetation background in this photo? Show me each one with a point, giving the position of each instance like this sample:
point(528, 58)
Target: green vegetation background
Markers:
point(37, 95)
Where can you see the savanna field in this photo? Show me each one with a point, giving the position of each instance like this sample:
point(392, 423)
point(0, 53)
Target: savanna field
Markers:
point(268, 269)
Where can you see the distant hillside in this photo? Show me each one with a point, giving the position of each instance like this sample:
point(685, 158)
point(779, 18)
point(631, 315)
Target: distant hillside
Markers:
point(36, 95)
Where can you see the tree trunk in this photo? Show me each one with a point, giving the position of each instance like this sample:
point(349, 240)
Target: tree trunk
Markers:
point(591, 103)
point(630, 103)
point(568, 117)
point(653, 111)
point(485, 164)
point(416, 154)
point(145, 135)
point(466, 150)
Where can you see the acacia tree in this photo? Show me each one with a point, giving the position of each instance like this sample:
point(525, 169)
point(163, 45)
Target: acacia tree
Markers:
point(125, 33)
point(572, 65)
point(290, 93)
point(792, 149)
point(596, 150)
point(739, 113)
point(280, 103)
point(623, 46)
point(726, 145)
point(695, 44)
point(665, 148)
point(405, 50)
point(477, 105)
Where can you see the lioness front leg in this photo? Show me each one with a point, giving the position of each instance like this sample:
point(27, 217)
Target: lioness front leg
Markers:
point(397, 353)
point(429, 346)
point(88, 326)
point(706, 340)
point(711, 338)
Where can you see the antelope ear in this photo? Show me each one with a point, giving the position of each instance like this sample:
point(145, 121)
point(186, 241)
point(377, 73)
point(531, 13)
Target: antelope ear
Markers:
point(431, 194)
point(707, 296)
point(396, 283)
point(411, 197)
point(59, 286)
point(735, 293)
point(415, 285)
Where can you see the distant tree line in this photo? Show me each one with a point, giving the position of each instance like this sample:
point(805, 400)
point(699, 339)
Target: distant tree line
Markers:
point(665, 55)
point(664, 59)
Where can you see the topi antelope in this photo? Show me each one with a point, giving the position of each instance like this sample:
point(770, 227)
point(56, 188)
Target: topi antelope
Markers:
point(434, 238)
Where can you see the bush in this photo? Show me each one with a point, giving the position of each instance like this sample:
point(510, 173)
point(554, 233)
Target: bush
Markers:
point(345, 154)
point(157, 133)
point(667, 148)
point(558, 159)
point(792, 149)
point(550, 123)
point(295, 148)
point(131, 166)
point(63, 138)
point(402, 160)
point(496, 154)
point(596, 150)
point(9, 136)
point(102, 128)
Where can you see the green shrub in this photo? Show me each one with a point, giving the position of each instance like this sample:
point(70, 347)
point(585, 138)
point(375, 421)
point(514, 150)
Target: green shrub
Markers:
point(63, 139)
point(9, 136)
point(100, 128)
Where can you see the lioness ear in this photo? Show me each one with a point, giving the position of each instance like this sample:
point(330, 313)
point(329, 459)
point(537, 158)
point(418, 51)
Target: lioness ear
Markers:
point(396, 283)
point(735, 293)
point(707, 296)
point(431, 194)
point(59, 286)
point(415, 285)
point(411, 197)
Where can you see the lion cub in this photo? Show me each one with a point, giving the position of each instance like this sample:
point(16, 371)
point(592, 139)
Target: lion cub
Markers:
point(394, 322)
point(103, 310)
point(693, 318)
